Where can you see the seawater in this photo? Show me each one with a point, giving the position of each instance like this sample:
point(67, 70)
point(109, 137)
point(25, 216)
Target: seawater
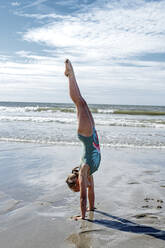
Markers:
point(56, 123)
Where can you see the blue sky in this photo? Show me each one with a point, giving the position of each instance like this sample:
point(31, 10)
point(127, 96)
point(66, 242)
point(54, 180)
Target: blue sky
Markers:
point(117, 49)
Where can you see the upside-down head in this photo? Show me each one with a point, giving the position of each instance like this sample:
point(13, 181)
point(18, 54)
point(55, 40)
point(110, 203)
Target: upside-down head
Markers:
point(73, 180)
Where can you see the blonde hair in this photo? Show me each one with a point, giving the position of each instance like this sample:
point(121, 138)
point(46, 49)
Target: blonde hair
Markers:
point(72, 178)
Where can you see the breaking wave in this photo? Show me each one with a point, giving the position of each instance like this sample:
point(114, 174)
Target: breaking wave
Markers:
point(112, 111)
point(144, 123)
point(74, 143)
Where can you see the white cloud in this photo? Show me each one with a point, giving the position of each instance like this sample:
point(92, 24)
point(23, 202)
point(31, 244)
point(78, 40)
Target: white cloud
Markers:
point(50, 70)
point(35, 3)
point(43, 80)
point(4, 57)
point(37, 58)
point(114, 31)
point(42, 16)
point(15, 4)
point(101, 41)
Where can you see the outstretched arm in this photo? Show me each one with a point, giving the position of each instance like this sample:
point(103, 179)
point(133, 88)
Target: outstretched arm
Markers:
point(91, 194)
point(83, 196)
point(83, 182)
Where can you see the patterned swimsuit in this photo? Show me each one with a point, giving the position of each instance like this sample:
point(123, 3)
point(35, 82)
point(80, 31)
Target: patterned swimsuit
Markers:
point(91, 155)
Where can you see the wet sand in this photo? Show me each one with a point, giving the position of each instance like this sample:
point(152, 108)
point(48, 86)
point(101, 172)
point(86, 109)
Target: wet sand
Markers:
point(36, 206)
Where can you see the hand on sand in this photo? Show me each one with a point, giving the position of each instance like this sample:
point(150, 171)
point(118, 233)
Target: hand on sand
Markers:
point(78, 217)
point(68, 68)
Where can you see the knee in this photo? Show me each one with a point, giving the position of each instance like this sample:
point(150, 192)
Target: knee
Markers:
point(81, 102)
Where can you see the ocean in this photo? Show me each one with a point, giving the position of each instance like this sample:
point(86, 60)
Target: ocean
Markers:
point(56, 123)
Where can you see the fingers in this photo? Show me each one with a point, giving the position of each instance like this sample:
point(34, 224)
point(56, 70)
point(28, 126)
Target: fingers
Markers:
point(78, 217)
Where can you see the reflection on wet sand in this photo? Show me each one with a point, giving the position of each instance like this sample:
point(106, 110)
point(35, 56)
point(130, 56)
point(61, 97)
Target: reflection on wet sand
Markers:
point(83, 238)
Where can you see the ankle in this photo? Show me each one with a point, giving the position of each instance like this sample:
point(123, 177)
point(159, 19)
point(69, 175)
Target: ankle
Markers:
point(71, 75)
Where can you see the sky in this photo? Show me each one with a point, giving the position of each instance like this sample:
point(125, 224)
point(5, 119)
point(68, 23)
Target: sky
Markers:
point(117, 48)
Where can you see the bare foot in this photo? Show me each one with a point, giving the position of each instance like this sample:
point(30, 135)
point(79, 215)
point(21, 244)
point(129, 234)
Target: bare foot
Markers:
point(68, 68)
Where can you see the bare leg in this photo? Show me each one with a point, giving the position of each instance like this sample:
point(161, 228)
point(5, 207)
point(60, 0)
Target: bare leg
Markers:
point(85, 119)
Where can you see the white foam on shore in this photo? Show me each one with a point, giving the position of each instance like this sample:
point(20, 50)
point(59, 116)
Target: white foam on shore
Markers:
point(18, 140)
point(18, 109)
point(106, 111)
point(67, 143)
point(134, 146)
point(116, 122)
point(37, 119)
point(122, 122)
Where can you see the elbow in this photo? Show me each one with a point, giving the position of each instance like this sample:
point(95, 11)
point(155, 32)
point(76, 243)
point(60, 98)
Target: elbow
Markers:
point(83, 200)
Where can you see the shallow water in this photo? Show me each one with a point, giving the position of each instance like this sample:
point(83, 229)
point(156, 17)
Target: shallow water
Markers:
point(117, 125)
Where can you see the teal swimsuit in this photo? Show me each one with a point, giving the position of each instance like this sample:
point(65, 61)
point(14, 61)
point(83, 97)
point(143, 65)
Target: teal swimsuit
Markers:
point(91, 155)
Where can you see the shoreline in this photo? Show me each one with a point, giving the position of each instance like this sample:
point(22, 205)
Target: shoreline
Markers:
point(78, 144)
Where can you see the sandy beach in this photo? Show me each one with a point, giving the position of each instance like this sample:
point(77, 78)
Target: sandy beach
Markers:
point(36, 206)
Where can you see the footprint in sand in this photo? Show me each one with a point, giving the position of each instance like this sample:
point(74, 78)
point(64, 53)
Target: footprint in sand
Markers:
point(151, 172)
point(147, 206)
point(133, 182)
point(159, 207)
point(147, 199)
point(145, 215)
point(153, 203)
